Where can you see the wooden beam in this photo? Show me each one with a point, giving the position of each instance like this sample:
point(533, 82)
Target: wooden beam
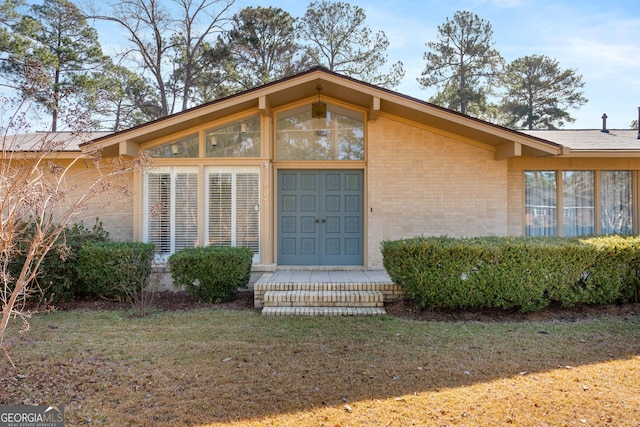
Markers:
point(374, 108)
point(508, 150)
point(264, 106)
point(128, 148)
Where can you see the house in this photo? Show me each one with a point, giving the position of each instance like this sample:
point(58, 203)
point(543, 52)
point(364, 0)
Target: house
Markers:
point(318, 169)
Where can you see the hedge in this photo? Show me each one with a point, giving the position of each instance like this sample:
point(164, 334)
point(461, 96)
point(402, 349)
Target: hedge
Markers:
point(116, 269)
point(522, 273)
point(211, 273)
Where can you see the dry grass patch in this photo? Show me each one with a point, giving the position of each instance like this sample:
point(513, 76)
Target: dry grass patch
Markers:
point(235, 367)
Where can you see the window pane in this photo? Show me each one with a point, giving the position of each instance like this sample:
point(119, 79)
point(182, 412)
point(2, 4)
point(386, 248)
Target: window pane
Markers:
point(616, 210)
point(338, 136)
point(233, 204)
point(238, 139)
point(578, 203)
point(247, 211)
point(220, 209)
point(171, 211)
point(186, 211)
point(159, 211)
point(186, 147)
point(540, 203)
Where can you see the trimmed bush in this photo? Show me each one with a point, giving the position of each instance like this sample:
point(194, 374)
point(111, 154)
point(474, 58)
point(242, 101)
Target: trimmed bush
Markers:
point(57, 278)
point(116, 269)
point(211, 273)
point(526, 274)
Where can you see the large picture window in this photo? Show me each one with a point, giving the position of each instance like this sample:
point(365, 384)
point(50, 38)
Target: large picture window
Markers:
point(338, 136)
point(171, 209)
point(578, 203)
point(232, 206)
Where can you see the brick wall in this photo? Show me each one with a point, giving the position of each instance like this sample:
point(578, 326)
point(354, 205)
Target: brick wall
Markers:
point(424, 183)
point(112, 207)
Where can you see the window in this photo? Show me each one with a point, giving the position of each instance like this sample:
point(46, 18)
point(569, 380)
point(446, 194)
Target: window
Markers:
point(182, 148)
point(338, 136)
point(579, 203)
point(171, 209)
point(238, 139)
point(233, 205)
point(578, 199)
point(616, 202)
point(541, 203)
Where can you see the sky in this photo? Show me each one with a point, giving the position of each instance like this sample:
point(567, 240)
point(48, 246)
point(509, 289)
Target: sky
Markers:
point(600, 39)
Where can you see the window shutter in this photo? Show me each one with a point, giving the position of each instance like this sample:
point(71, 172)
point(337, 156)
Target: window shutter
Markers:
point(159, 211)
point(220, 225)
point(247, 212)
point(233, 217)
point(186, 211)
point(171, 210)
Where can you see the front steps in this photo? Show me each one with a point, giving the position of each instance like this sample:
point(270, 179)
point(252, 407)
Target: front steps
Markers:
point(309, 298)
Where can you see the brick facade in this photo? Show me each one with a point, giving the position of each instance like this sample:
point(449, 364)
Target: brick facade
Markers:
point(424, 183)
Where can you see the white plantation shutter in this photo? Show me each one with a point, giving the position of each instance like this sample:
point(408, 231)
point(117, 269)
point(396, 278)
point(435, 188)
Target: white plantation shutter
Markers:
point(220, 198)
point(171, 208)
point(247, 211)
point(233, 217)
point(186, 211)
point(159, 211)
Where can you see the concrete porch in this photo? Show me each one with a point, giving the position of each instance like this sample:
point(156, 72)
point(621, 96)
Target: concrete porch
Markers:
point(325, 292)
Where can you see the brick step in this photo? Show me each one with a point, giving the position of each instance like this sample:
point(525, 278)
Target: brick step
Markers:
point(324, 286)
point(323, 311)
point(323, 298)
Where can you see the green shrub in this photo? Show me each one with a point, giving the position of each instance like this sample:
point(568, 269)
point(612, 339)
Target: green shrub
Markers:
point(57, 278)
point(520, 273)
point(211, 273)
point(115, 269)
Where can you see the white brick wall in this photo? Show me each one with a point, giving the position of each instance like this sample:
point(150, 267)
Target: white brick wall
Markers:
point(423, 183)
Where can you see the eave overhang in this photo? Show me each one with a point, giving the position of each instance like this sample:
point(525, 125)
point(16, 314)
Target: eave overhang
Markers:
point(604, 153)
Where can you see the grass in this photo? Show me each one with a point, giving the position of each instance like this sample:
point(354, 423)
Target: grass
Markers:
point(214, 367)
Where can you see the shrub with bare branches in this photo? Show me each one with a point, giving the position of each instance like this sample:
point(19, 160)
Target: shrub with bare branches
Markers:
point(48, 181)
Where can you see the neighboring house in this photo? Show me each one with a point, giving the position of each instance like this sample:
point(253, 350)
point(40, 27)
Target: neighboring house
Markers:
point(319, 169)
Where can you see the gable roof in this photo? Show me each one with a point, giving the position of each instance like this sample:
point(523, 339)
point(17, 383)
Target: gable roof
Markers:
point(504, 141)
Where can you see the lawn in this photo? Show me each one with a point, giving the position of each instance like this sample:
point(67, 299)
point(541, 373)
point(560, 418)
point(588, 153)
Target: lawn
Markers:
point(215, 367)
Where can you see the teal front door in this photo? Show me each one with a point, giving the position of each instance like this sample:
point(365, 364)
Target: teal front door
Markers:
point(320, 217)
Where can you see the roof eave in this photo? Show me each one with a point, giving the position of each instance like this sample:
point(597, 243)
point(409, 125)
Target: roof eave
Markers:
point(603, 153)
